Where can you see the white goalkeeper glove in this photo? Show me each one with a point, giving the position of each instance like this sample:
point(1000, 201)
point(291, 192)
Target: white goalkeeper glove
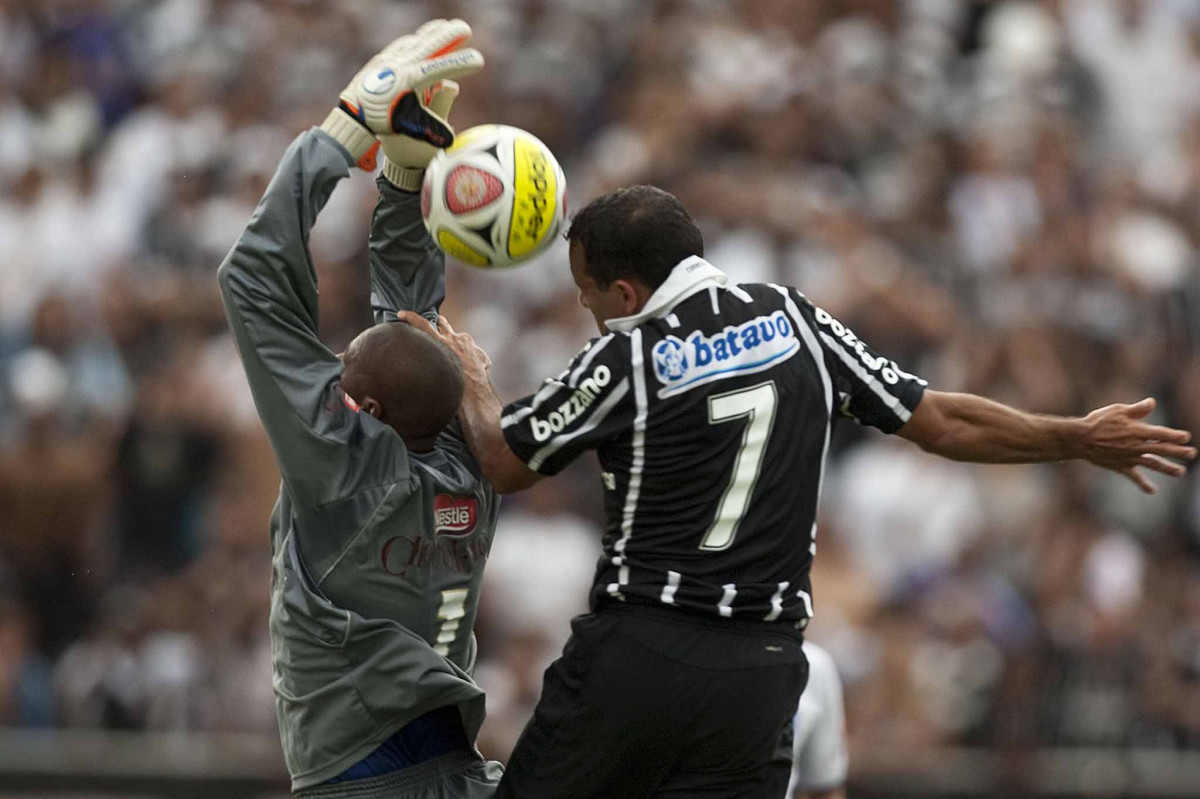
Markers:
point(406, 158)
point(385, 96)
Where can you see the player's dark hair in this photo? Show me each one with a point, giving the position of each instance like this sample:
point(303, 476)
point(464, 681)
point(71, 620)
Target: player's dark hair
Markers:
point(639, 232)
point(417, 380)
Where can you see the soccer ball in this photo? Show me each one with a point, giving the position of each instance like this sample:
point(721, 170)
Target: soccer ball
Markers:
point(496, 197)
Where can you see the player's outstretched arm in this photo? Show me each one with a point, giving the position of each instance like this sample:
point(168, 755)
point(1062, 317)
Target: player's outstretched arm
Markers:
point(268, 282)
point(408, 271)
point(480, 413)
point(269, 289)
point(481, 410)
point(966, 427)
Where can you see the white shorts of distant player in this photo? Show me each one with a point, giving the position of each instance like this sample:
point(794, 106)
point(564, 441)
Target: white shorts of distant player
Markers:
point(820, 760)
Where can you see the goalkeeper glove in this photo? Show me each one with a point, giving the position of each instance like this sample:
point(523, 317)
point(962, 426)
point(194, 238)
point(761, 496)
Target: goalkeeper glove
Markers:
point(405, 158)
point(385, 96)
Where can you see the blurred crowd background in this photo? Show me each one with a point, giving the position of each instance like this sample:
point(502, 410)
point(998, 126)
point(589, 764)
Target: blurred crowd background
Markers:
point(1002, 196)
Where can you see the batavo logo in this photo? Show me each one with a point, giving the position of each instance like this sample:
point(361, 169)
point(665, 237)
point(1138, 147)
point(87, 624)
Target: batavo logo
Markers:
point(454, 516)
point(753, 346)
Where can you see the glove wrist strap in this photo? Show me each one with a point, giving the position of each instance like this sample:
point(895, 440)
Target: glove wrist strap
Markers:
point(349, 133)
point(405, 178)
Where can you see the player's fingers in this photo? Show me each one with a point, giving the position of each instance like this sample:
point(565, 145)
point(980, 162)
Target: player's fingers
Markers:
point(1140, 480)
point(1167, 450)
point(410, 118)
point(419, 322)
point(427, 92)
point(450, 66)
point(1156, 432)
point(428, 27)
point(439, 37)
point(1140, 410)
point(401, 44)
point(413, 45)
point(440, 96)
point(444, 325)
point(1162, 465)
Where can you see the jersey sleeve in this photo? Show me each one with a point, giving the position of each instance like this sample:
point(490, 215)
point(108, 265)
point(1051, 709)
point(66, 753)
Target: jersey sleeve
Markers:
point(408, 271)
point(820, 759)
point(269, 290)
point(587, 404)
point(867, 387)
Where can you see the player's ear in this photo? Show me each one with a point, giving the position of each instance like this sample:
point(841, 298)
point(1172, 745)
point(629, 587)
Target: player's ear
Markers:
point(371, 405)
point(630, 298)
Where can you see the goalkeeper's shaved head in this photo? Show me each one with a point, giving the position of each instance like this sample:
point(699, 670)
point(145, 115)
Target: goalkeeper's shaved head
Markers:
point(406, 379)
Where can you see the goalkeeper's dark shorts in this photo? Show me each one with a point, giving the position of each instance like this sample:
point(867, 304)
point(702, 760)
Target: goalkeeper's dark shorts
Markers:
point(648, 701)
point(457, 775)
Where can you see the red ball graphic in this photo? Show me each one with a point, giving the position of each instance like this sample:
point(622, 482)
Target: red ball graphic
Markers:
point(469, 188)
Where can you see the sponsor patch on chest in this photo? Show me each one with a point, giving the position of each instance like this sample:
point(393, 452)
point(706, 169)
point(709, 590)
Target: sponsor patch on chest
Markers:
point(454, 516)
point(750, 347)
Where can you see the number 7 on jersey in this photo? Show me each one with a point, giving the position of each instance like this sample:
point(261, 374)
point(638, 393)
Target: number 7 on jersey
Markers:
point(757, 405)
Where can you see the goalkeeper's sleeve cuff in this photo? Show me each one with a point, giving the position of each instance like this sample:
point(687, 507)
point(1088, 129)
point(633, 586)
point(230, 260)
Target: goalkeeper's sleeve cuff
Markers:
point(358, 140)
point(403, 178)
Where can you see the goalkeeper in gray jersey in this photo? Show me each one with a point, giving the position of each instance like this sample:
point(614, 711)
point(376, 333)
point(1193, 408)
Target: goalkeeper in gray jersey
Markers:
point(384, 522)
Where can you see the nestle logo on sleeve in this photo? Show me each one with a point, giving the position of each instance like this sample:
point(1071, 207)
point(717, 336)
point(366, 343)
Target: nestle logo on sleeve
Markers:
point(454, 516)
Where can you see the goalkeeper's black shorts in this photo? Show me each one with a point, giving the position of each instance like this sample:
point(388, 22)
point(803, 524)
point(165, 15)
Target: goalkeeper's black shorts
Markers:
point(649, 701)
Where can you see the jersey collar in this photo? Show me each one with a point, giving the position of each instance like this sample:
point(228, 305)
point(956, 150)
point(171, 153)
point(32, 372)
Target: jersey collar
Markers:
point(690, 275)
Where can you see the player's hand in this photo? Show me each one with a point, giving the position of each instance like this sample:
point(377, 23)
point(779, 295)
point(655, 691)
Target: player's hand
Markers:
point(385, 96)
point(475, 362)
point(405, 158)
point(1115, 437)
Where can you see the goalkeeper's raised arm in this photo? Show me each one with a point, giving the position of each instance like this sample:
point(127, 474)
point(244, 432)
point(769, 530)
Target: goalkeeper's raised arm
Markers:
point(268, 282)
point(408, 271)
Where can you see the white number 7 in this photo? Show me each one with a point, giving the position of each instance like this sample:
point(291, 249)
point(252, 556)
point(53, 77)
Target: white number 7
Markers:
point(758, 404)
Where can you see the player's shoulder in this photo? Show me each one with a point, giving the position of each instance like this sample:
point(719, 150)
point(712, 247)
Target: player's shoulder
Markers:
point(771, 297)
point(610, 344)
point(788, 296)
point(450, 468)
point(762, 292)
point(599, 360)
point(453, 446)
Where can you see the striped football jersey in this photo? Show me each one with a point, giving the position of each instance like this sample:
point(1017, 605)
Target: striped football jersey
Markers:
point(711, 412)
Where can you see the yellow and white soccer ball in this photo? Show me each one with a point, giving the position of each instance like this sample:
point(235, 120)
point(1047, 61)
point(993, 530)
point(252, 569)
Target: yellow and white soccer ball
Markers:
point(496, 197)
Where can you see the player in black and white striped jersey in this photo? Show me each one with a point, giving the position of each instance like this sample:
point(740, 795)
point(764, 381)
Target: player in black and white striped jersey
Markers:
point(715, 375)
point(710, 407)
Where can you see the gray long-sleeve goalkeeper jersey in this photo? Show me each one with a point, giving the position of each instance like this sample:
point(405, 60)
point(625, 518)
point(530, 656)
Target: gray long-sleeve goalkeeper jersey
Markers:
point(377, 552)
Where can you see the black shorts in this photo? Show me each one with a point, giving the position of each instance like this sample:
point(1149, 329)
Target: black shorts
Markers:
point(650, 701)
